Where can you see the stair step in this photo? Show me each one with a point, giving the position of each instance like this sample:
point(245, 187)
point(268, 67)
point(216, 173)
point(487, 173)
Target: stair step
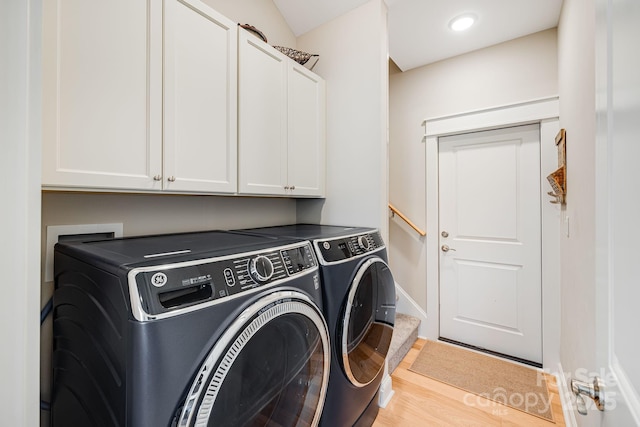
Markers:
point(405, 333)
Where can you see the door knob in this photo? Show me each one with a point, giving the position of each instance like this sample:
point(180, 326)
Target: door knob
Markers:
point(444, 234)
point(594, 391)
point(446, 248)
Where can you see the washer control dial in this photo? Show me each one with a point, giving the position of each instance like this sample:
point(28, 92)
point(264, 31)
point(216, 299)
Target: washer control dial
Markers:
point(363, 242)
point(261, 268)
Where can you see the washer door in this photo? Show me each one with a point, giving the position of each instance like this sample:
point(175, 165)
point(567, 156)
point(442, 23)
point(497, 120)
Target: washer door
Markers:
point(271, 367)
point(369, 317)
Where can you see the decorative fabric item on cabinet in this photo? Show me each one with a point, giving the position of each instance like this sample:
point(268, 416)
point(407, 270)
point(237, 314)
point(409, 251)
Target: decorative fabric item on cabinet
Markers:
point(299, 56)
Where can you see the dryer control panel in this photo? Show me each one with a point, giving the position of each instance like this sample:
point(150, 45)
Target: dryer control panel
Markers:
point(161, 290)
point(344, 248)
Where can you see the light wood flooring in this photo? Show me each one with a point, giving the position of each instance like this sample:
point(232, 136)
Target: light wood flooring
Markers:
point(421, 401)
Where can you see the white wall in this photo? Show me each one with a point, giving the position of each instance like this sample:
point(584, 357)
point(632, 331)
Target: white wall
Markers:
point(150, 214)
point(20, 133)
point(576, 70)
point(353, 61)
point(519, 70)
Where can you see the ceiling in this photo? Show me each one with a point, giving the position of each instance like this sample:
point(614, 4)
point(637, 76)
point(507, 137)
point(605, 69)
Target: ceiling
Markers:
point(418, 29)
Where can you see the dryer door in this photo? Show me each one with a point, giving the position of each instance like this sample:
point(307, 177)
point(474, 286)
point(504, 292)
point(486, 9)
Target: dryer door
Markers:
point(369, 317)
point(271, 367)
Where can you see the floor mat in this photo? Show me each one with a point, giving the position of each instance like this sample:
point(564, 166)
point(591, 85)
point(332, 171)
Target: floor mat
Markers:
point(499, 380)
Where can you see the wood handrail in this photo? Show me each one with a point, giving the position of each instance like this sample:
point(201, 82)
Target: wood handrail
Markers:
point(395, 211)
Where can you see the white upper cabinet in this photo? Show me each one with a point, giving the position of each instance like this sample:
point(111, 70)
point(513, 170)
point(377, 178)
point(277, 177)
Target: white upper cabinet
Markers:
point(281, 123)
point(307, 133)
point(262, 105)
point(200, 99)
point(102, 93)
point(120, 113)
point(161, 96)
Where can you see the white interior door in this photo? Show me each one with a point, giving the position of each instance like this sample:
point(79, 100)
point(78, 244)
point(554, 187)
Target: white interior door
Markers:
point(618, 203)
point(490, 240)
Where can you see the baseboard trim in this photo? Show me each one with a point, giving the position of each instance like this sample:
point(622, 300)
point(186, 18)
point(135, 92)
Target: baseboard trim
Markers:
point(565, 398)
point(386, 392)
point(407, 305)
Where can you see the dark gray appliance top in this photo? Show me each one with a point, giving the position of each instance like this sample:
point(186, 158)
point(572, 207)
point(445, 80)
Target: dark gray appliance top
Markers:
point(149, 250)
point(308, 231)
point(333, 244)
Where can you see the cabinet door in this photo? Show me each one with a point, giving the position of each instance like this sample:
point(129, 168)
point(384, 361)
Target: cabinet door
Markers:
point(102, 93)
point(200, 107)
point(262, 134)
point(306, 136)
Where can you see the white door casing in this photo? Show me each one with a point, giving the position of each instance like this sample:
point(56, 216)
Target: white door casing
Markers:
point(490, 278)
point(545, 112)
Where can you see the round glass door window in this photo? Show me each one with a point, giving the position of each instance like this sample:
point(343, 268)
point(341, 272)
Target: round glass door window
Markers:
point(369, 317)
point(270, 368)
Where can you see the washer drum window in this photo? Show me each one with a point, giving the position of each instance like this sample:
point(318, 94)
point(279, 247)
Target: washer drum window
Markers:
point(271, 367)
point(369, 318)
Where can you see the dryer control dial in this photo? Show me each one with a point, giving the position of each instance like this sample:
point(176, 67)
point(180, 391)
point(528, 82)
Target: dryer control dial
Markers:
point(261, 268)
point(363, 242)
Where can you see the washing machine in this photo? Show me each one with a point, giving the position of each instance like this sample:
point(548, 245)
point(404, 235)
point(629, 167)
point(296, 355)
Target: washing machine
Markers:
point(195, 329)
point(359, 307)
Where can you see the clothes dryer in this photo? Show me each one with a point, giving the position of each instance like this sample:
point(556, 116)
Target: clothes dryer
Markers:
point(359, 306)
point(212, 328)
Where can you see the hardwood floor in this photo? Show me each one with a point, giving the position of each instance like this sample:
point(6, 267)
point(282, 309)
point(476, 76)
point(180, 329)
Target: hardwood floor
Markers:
point(421, 401)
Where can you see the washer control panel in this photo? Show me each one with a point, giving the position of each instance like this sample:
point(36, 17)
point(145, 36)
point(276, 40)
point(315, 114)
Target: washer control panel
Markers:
point(344, 248)
point(298, 259)
point(165, 288)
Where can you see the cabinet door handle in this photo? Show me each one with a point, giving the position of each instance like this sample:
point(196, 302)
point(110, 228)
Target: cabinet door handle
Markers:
point(157, 178)
point(171, 179)
point(286, 188)
point(293, 187)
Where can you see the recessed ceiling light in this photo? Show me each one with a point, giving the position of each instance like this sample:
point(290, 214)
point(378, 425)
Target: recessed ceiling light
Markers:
point(462, 22)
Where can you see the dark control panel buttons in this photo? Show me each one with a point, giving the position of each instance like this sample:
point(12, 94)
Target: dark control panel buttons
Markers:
point(344, 248)
point(298, 259)
point(229, 278)
point(215, 279)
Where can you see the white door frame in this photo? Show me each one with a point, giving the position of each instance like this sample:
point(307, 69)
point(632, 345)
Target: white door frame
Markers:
point(544, 111)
